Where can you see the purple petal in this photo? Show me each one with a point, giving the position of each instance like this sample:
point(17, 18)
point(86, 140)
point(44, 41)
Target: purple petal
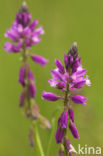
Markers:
point(61, 85)
point(53, 82)
point(59, 135)
point(79, 99)
point(71, 114)
point(22, 99)
point(67, 144)
point(66, 61)
point(81, 72)
point(74, 131)
point(23, 18)
point(12, 48)
point(38, 31)
point(32, 90)
point(33, 25)
point(30, 75)
point(49, 96)
point(59, 66)
point(79, 84)
point(12, 34)
point(63, 120)
point(55, 73)
point(22, 76)
point(39, 59)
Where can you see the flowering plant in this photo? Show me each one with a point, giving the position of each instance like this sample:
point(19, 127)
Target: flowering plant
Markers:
point(67, 79)
point(24, 35)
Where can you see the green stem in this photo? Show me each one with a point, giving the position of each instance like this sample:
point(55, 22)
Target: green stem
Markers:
point(38, 142)
point(52, 130)
point(39, 148)
point(51, 137)
point(65, 104)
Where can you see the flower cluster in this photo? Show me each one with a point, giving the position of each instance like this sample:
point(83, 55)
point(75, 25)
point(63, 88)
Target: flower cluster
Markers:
point(24, 34)
point(67, 79)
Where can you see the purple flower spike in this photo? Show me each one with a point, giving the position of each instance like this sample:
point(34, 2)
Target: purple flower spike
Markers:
point(23, 35)
point(22, 99)
point(71, 114)
point(50, 96)
point(32, 90)
point(59, 135)
point(59, 66)
point(79, 99)
point(63, 120)
point(40, 60)
point(68, 79)
point(74, 131)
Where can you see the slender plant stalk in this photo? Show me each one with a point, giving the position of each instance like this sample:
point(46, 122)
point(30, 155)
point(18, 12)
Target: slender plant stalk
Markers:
point(65, 104)
point(52, 132)
point(36, 133)
point(38, 142)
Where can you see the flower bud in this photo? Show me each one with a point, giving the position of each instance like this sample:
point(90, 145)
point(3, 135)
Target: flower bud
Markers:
point(59, 66)
point(71, 114)
point(31, 137)
point(32, 90)
point(50, 96)
point(44, 122)
point(22, 99)
point(59, 135)
point(39, 59)
point(79, 99)
point(34, 111)
point(74, 131)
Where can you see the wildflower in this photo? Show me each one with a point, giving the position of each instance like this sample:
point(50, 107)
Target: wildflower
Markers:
point(24, 34)
point(68, 79)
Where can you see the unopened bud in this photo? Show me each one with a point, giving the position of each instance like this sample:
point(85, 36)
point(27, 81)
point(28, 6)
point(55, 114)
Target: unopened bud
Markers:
point(34, 111)
point(44, 123)
point(31, 137)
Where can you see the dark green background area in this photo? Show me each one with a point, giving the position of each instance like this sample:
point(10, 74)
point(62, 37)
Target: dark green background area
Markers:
point(64, 22)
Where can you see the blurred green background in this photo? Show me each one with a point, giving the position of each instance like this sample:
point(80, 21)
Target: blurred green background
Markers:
point(64, 22)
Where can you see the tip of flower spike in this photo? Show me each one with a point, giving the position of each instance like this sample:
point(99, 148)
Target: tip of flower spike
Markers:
point(24, 7)
point(75, 44)
point(73, 50)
